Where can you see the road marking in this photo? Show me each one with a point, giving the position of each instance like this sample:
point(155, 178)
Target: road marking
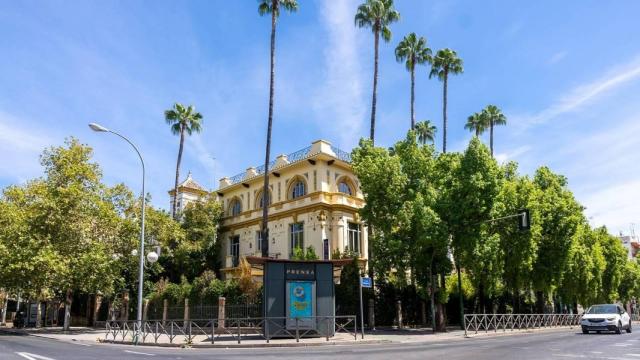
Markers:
point(636, 355)
point(30, 356)
point(75, 342)
point(596, 352)
point(138, 353)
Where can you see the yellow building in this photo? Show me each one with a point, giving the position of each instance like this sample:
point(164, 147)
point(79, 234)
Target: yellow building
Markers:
point(314, 201)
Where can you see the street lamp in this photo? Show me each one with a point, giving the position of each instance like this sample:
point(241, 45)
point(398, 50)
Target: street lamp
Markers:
point(100, 128)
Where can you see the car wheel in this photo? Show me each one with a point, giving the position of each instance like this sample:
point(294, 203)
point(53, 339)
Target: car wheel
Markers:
point(619, 328)
point(585, 331)
point(598, 332)
point(629, 327)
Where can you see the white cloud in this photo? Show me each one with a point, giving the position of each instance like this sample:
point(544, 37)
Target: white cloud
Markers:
point(340, 99)
point(512, 154)
point(583, 95)
point(557, 57)
point(615, 206)
point(21, 146)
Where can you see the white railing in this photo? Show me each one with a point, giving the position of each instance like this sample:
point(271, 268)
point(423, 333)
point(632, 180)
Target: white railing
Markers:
point(503, 322)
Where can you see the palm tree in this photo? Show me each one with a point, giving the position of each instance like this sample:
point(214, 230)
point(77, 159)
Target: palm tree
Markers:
point(426, 131)
point(476, 122)
point(413, 51)
point(445, 62)
point(494, 117)
point(377, 15)
point(182, 120)
point(271, 7)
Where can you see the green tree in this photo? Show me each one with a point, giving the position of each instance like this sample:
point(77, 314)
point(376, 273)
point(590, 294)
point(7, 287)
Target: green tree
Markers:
point(377, 15)
point(476, 123)
point(493, 117)
point(582, 280)
point(413, 51)
point(559, 215)
point(272, 7)
point(446, 62)
point(629, 287)
point(471, 202)
point(182, 120)
point(519, 247)
point(426, 131)
point(616, 259)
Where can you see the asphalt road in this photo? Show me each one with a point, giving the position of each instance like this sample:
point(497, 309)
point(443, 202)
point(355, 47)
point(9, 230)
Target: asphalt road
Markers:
point(562, 344)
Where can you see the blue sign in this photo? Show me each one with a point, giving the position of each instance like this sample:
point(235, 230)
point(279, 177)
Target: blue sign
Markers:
point(365, 282)
point(300, 302)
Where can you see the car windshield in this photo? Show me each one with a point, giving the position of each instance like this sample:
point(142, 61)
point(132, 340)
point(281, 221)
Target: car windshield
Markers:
point(603, 309)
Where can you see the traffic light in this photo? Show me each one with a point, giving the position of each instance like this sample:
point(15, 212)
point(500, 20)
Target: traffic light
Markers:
point(524, 220)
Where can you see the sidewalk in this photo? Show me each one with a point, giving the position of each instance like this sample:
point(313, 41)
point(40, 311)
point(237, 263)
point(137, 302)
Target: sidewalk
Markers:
point(381, 336)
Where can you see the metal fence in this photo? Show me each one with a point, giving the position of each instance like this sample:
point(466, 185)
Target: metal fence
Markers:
point(233, 329)
point(494, 322)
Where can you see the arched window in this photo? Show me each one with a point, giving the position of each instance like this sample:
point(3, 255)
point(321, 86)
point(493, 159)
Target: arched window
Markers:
point(344, 188)
point(235, 207)
point(261, 199)
point(298, 189)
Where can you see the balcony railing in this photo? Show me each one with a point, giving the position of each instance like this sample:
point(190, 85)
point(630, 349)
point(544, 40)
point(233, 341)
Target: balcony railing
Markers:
point(292, 158)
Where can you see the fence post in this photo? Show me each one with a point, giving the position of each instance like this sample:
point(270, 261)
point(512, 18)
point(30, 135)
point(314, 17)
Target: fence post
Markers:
point(239, 333)
point(297, 332)
point(372, 315)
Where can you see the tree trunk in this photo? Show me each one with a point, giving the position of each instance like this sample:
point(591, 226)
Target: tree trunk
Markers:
point(272, 77)
point(491, 137)
point(481, 298)
point(441, 323)
point(413, 87)
point(124, 315)
point(67, 310)
point(433, 298)
point(175, 188)
point(444, 114)
point(375, 83)
point(3, 321)
point(540, 302)
point(96, 309)
point(461, 298)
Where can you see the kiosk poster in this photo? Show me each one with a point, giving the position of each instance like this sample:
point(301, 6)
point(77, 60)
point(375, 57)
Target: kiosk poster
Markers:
point(300, 303)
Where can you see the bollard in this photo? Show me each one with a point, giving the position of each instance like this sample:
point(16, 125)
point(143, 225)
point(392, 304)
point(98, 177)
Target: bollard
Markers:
point(372, 315)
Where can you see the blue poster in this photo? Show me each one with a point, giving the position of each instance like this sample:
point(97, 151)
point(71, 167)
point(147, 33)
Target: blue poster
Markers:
point(300, 303)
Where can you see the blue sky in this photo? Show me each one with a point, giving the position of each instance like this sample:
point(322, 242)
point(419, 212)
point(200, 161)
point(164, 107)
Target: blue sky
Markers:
point(566, 74)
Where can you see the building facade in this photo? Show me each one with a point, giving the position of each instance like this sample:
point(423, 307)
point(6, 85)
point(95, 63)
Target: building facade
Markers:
point(188, 191)
point(631, 243)
point(313, 202)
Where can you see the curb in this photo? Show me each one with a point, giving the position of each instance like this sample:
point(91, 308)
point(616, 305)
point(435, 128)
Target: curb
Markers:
point(247, 346)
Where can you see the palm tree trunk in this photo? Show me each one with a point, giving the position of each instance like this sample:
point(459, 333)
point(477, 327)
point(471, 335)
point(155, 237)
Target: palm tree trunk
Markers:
point(413, 87)
point(375, 85)
point(175, 187)
point(491, 137)
point(265, 190)
point(444, 114)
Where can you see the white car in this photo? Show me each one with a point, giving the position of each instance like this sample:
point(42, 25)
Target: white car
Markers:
point(605, 317)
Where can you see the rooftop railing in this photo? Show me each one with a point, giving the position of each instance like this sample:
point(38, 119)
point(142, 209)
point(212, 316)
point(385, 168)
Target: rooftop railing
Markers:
point(292, 158)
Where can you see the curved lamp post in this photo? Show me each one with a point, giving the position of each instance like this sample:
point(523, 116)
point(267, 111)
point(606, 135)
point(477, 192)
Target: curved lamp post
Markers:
point(100, 128)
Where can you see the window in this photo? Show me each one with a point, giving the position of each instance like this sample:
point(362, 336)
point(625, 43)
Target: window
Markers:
point(298, 190)
point(235, 208)
point(296, 231)
point(258, 240)
point(325, 249)
point(261, 200)
point(344, 188)
point(354, 235)
point(234, 250)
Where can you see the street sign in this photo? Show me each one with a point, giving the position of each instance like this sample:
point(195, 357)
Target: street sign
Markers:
point(365, 282)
